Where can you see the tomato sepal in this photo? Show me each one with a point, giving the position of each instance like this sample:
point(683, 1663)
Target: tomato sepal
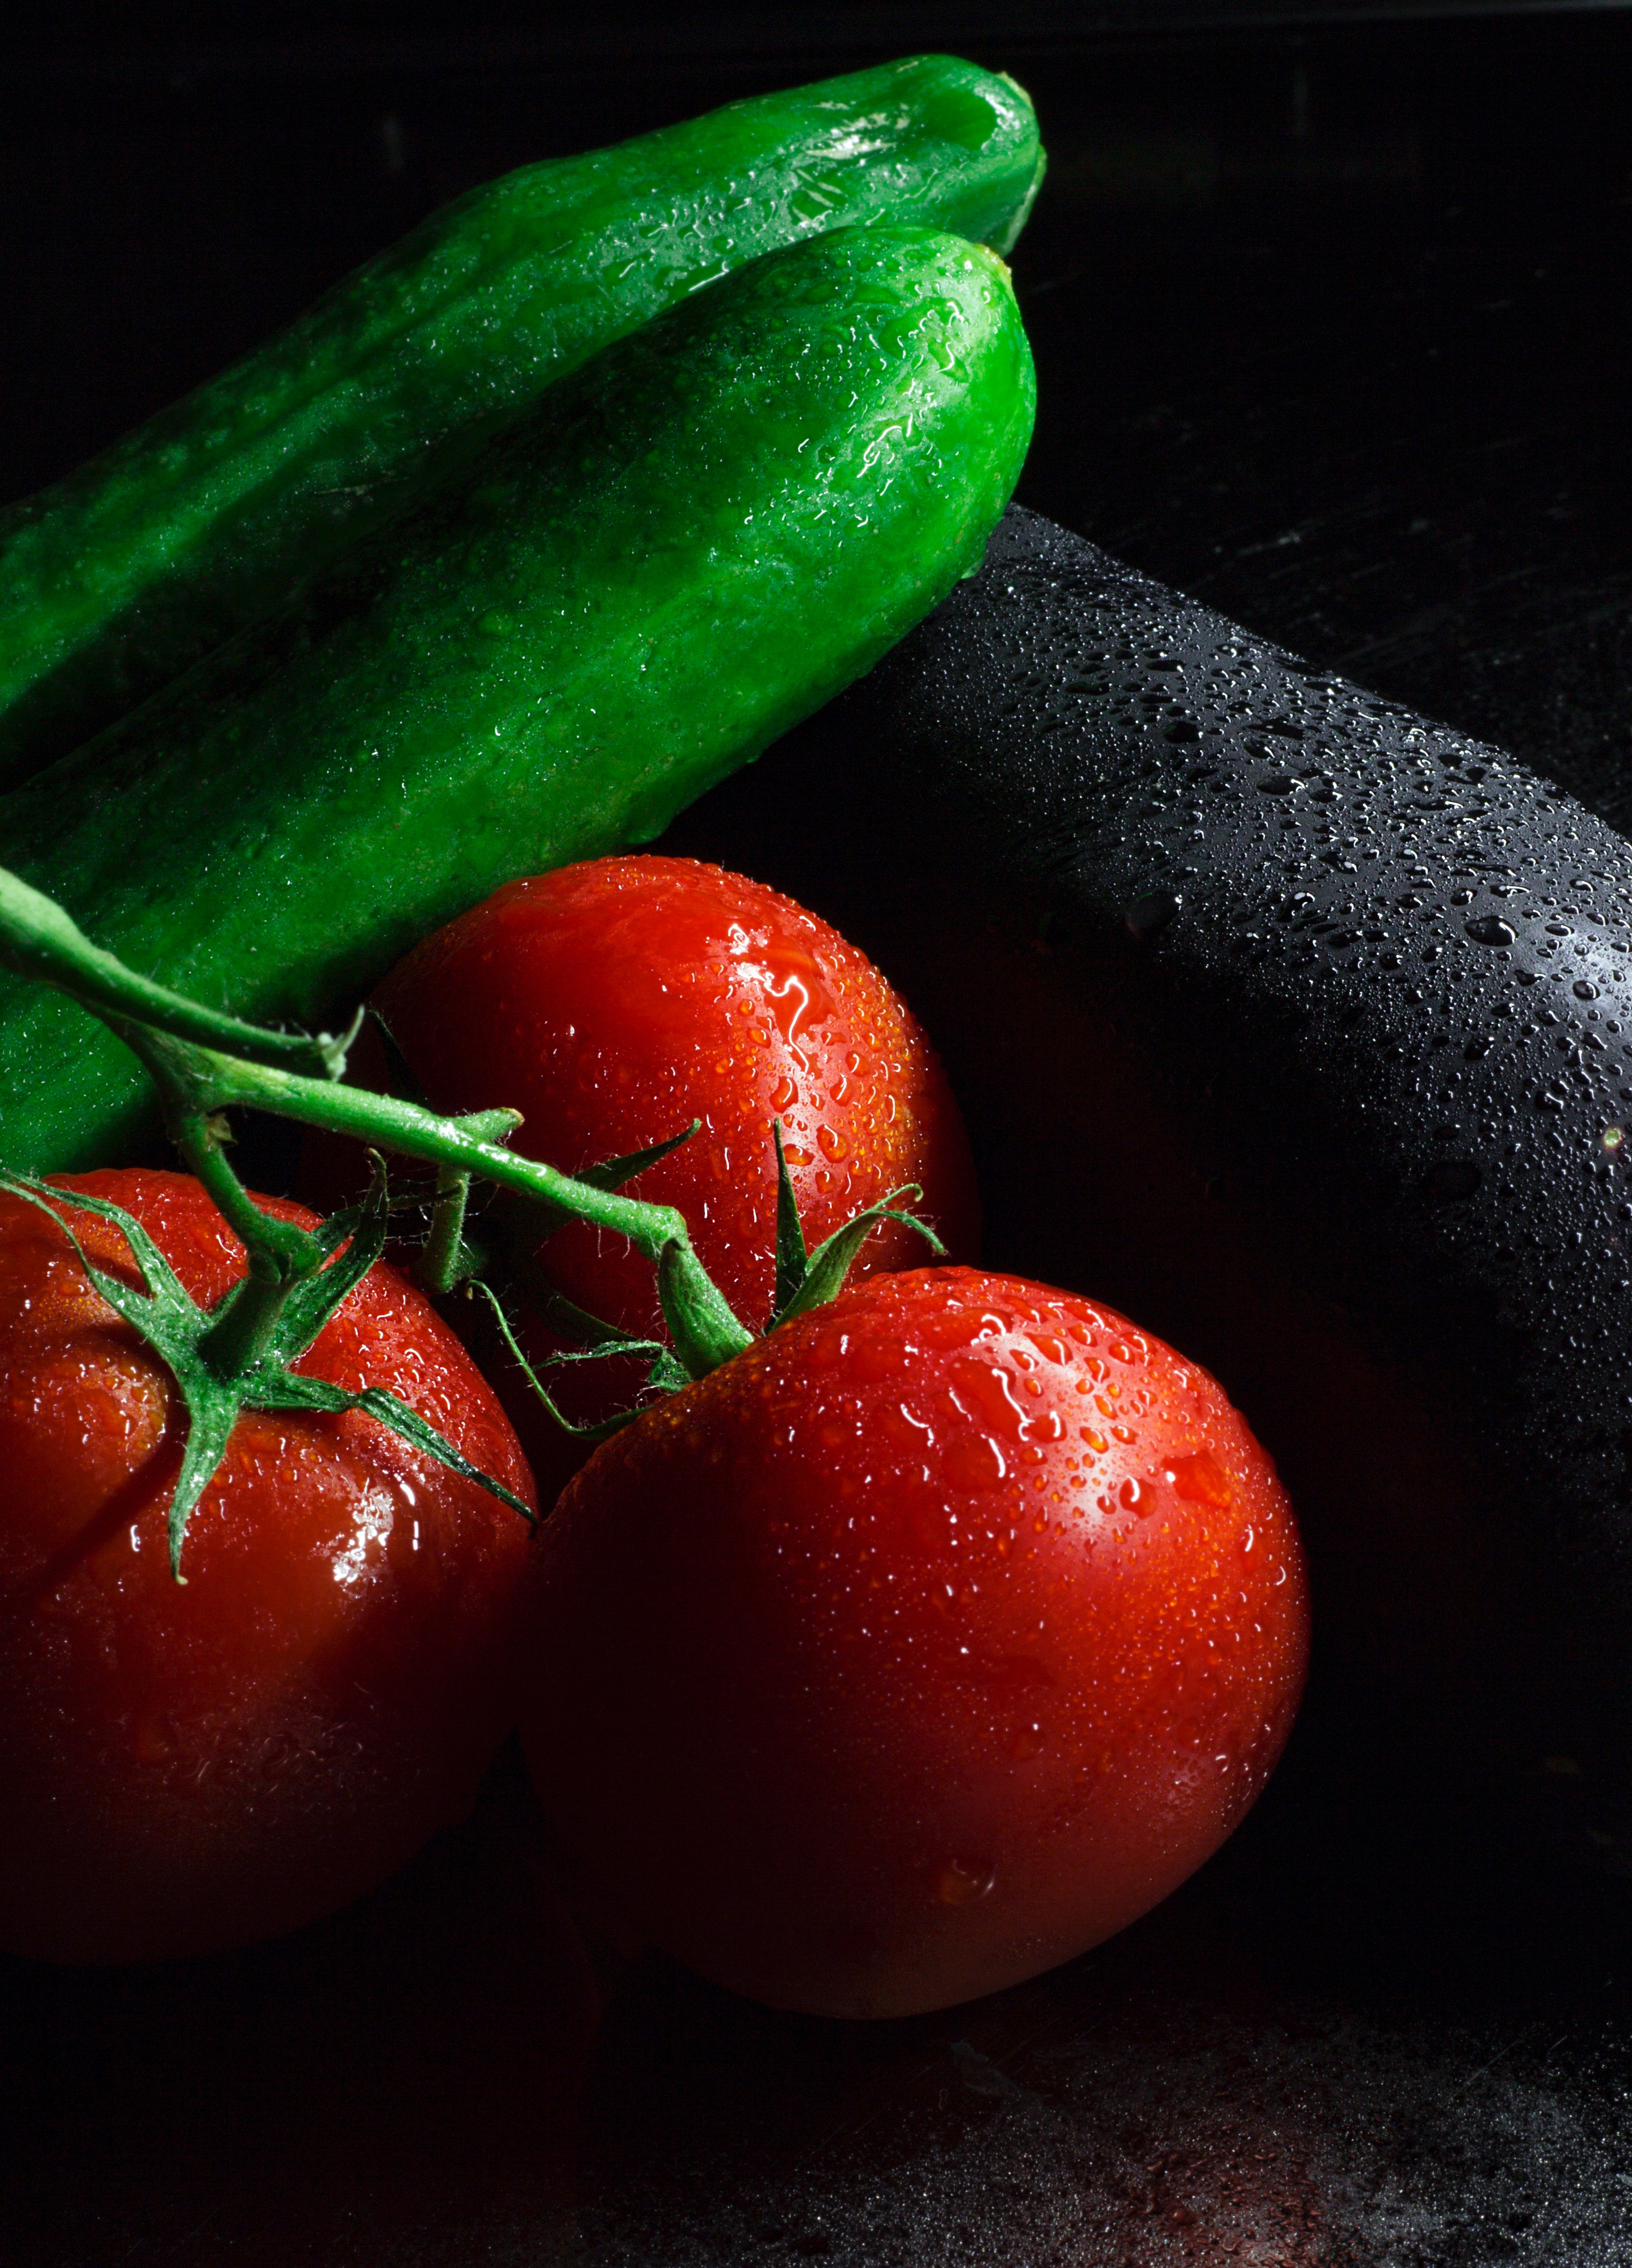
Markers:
point(615, 1173)
point(805, 1282)
point(793, 1256)
point(665, 1373)
point(707, 1332)
point(293, 1390)
point(810, 1279)
point(187, 1337)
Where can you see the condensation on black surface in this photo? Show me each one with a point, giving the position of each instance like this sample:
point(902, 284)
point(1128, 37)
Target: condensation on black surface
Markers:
point(1164, 2133)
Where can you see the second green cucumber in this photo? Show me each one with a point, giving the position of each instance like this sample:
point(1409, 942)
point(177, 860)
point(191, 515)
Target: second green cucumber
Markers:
point(209, 516)
point(681, 550)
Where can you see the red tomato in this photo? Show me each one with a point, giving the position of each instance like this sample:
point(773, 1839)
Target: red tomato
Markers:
point(913, 1651)
point(188, 1767)
point(614, 1002)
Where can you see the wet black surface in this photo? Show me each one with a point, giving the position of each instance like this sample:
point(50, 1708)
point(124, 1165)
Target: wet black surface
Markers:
point(1329, 333)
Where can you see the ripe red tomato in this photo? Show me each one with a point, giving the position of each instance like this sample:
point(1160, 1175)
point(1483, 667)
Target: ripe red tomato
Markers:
point(187, 1767)
point(913, 1651)
point(615, 1001)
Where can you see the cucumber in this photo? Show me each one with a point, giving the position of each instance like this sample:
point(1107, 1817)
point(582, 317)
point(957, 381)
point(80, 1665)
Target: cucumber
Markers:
point(208, 516)
point(677, 553)
point(1300, 1028)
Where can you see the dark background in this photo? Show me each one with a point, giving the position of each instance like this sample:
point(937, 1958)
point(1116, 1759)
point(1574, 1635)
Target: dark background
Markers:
point(1329, 314)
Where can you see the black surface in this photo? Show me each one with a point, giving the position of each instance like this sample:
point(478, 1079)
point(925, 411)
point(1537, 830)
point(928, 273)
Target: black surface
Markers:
point(1329, 332)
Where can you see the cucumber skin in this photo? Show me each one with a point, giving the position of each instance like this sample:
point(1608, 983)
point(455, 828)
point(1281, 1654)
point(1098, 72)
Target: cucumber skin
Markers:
point(1228, 1064)
point(207, 517)
point(681, 552)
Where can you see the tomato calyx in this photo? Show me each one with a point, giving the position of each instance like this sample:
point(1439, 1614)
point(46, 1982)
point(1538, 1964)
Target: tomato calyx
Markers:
point(706, 1333)
point(217, 1371)
point(807, 1280)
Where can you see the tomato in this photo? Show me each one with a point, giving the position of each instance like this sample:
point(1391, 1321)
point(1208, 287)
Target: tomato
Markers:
point(915, 1649)
point(615, 1001)
point(189, 1766)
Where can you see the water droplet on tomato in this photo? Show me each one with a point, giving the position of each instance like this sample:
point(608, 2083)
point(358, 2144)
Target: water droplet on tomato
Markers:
point(1051, 1348)
point(1200, 1479)
point(974, 1460)
point(961, 1881)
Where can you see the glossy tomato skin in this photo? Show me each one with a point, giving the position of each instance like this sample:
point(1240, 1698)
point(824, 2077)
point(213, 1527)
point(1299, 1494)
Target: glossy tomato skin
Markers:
point(614, 1001)
point(915, 1651)
point(188, 1767)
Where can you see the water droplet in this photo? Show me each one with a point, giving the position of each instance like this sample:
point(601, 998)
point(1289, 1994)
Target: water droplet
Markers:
point(1450, 1178)
point(1199, 1479)
point(1152, 912)
point(1490, 929)
point(974, 1460)
point(961, 1881)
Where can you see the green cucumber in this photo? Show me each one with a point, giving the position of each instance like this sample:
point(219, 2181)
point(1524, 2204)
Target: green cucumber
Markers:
point(209, 516)
point(678, 552)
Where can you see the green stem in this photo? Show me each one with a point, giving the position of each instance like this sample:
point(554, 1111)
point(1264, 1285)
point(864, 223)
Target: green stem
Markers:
point(281, 1254)
point(445, 1256)
point(39, 939)
point(702, 1325)
point(413, 1132)
point(291, 1249)
point(173, 1037)
point(181, 1045)
point(437, 1268)
point(199, 1082)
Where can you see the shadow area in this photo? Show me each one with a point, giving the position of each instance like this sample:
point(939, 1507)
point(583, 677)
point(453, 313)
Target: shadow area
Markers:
point(394, 2083)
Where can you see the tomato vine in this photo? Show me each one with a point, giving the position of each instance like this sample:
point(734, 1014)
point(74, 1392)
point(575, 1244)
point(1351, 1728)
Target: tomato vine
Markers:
point(205, 1062)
